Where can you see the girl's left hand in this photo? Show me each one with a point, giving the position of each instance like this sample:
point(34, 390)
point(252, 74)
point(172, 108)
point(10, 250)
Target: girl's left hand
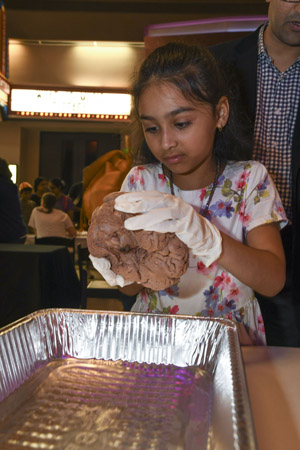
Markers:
point(104, 268)
point(165, 213)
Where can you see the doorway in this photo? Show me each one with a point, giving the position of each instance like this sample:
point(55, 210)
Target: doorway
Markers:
point(64, 155)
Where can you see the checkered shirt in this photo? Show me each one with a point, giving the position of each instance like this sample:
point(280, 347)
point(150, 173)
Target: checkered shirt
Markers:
point(278, 97)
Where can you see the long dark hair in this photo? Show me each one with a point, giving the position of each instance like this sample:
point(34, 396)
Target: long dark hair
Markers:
point(196, 73)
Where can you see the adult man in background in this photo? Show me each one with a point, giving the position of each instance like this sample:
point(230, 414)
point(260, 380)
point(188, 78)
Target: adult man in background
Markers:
point(267, 63)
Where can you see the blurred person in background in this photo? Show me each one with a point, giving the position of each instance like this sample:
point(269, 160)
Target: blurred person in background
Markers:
point(265, 66)
point(12, 226)
point(40, 187)
point(63, 202)
point(47, 221)
point(75, 193)
point(27, 205)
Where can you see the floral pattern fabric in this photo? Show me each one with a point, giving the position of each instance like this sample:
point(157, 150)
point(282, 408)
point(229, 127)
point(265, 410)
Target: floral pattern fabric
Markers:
point(245, 197)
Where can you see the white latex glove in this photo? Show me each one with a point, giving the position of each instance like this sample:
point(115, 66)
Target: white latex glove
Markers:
point(166, 213)
point(103, 266)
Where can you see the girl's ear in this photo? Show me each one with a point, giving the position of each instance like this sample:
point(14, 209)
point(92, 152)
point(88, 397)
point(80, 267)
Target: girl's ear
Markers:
point(222, 112)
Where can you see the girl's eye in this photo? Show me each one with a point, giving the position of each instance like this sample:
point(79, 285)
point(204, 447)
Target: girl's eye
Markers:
point(151, 130)
point(182, 125)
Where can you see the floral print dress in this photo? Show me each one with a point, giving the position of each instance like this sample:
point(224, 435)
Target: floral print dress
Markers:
point(245, 198)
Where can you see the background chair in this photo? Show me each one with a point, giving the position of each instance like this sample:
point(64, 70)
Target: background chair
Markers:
point(97, 288)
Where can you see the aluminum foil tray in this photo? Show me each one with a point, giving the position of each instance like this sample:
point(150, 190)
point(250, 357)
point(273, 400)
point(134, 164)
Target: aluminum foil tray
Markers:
point(74, 379)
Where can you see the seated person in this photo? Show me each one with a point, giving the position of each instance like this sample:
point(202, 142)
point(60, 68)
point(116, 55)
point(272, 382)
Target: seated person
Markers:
point(48, 221)
point(27, 205)
point(40, 187)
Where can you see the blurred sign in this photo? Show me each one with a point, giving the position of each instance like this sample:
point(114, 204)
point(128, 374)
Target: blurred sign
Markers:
point(4, 85)
point(69, 104)
point(3, 40)
point(4, 91)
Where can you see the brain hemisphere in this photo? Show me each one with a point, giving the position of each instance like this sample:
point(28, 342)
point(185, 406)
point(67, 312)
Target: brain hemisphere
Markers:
point(156, 260)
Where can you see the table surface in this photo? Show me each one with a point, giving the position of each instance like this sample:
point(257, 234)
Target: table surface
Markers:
point(30, 248)
point(81, 238)
point(273, 378)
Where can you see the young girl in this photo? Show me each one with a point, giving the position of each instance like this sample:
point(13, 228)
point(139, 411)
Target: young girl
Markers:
point(227, 211)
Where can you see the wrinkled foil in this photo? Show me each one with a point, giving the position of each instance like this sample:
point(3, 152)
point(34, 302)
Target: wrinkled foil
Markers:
point(74, 379)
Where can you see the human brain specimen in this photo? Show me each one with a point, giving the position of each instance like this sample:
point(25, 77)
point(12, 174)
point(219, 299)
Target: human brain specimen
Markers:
point(155, 260)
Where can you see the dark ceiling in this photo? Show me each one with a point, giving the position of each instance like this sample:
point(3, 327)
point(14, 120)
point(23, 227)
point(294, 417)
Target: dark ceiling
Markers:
point(110, 20)
point(193, 6)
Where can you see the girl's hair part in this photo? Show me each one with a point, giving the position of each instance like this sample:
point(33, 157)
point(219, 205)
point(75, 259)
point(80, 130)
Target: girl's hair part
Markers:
point(195, 72)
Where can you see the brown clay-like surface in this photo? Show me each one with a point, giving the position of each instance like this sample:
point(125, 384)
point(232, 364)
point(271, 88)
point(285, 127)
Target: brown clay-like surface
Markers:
point(156, 260)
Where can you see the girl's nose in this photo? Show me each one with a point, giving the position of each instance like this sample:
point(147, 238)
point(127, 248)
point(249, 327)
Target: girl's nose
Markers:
point(168, 140)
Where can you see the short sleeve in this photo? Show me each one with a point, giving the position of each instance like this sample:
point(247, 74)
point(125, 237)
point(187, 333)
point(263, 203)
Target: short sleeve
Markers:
point(262, 203)
point(148, 177)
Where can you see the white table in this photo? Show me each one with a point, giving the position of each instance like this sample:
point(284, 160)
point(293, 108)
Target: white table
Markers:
point(273, 377)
